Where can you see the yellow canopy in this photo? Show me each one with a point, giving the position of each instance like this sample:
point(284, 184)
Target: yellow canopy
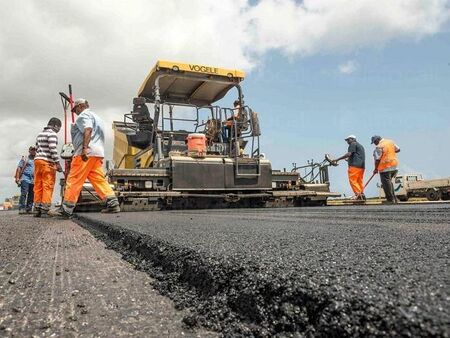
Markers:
point(189, 83)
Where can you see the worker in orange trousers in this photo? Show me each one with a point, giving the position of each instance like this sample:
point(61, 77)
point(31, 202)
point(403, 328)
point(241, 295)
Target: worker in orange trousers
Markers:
point(356, 166)
point(88, 138)
point(46, 164)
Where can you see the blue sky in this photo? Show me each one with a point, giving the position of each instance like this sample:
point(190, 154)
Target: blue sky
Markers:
point(401, 91)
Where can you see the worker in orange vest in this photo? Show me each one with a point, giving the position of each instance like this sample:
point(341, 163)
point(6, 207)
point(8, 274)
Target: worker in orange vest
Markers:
point(386, 163)
point(356, 158)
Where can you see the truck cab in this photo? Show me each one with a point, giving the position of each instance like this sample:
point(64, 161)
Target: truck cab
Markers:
point(401, 186)
point(414, 185)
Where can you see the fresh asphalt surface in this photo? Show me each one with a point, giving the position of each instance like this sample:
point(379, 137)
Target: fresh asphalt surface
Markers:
point(326, 271)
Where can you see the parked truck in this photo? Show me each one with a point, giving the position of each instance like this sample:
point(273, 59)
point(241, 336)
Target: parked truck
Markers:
point(414, 185)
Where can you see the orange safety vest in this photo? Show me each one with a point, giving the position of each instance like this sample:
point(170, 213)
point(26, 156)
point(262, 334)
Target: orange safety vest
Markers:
point(389, 156)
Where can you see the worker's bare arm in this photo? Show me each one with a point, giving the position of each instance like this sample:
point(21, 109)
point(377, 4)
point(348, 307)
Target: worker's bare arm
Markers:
point(347, 155)
point(17, 175)
point(86, 139)
point(377, 163)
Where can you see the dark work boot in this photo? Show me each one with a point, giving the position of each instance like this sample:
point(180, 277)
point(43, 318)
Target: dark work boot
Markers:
point(59, 213)
point(37, 212)
point(65, 211)
point(112, 206)
point(388, 202)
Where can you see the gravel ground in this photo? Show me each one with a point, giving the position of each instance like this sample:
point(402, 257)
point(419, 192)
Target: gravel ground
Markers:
point(330, 272)
point(57, 280)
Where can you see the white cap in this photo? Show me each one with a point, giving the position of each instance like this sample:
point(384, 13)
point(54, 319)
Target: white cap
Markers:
point(350, 136)
point(77, 102)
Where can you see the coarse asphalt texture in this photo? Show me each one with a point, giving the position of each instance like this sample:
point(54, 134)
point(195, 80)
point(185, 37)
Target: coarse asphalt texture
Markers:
point(323, 272)
point(57, 280)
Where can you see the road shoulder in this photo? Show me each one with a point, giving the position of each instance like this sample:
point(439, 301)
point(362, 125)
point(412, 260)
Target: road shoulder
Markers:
point(57, 279)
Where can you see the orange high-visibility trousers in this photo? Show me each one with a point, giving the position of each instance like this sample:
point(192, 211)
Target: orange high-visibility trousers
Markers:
point(91, 170)
point(44, 182)
point(356, 179)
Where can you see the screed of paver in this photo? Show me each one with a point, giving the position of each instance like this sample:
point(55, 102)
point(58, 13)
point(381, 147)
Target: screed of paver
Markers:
point(56, 279)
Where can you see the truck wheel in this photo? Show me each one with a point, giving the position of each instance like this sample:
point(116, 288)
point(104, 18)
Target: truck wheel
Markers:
point(445, 197)
point(433, 195)
point(403, 199)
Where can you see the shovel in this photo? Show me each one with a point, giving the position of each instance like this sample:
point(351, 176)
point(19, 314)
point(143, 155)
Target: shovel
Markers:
point(368, 181)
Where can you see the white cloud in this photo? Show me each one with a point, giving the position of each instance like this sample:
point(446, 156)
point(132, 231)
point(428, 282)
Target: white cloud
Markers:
point(105, 47)
point(324, 26)
point(349, 67)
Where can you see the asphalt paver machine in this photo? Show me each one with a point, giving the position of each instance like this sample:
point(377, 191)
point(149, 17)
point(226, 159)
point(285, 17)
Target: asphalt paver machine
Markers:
point(179, 149)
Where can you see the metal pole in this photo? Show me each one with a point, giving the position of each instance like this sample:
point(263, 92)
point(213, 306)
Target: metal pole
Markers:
point(65, 102)
point(71, 103)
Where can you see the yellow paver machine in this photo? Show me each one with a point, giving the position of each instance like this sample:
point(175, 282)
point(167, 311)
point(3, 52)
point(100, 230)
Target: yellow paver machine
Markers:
point(179, 149)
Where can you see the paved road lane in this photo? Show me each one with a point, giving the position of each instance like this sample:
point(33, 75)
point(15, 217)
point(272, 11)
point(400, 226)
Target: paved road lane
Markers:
point(352, 271)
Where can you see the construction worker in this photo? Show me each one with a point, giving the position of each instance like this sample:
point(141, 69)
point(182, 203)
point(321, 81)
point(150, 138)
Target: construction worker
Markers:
point(88, 138)
point(386, 162)
point(46, 163)
point(356, 166)
point(24, 178)
point(228, 124)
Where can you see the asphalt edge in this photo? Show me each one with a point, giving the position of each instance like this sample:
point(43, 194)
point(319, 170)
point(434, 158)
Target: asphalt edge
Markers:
point(216, 286)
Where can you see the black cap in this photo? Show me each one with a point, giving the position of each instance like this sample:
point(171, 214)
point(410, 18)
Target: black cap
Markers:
point(375, 138)
point(54, 122)
point(32, 148)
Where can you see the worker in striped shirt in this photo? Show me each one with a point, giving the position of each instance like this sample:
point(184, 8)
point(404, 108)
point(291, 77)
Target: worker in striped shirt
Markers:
point(46, 163)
